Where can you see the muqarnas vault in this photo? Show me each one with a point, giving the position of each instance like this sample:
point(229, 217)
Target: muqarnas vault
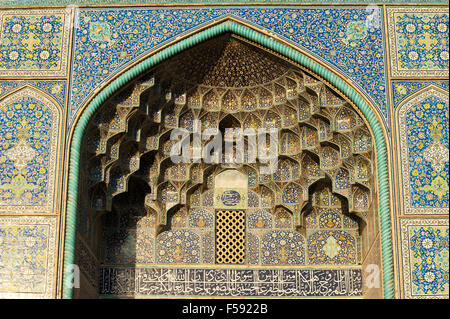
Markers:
point(91, 92)
point(317, 208)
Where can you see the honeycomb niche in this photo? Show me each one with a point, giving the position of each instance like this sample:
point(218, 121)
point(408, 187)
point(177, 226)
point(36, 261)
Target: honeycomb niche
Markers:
point(159, 228)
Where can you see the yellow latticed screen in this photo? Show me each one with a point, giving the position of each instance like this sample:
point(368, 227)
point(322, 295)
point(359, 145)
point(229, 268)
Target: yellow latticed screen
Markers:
point(230, 237)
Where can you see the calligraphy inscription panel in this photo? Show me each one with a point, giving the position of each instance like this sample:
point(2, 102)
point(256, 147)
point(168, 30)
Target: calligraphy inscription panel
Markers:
point(160, 281)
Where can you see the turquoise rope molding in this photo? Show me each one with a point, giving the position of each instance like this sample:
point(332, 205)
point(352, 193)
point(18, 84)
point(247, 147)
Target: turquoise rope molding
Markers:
point(40, 3)
point(229, 26)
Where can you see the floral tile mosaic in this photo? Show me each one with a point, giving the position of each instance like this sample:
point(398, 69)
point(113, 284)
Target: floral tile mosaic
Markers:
point(30, 124)
point(34, 42)
point(424, 246)
point(418, 38)
point(423, 134)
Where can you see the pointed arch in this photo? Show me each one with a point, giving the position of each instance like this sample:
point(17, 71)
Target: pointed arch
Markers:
point(40, 141)
point(406, 186)
point(279, 47)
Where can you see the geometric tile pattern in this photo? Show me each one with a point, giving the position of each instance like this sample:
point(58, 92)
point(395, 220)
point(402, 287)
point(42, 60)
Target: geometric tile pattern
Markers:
point(423, 135)
point(27, 256)
point(107, 40)
point(418, 39)
point(424, 244)
point(34, 42)
point(29, 122)
point(230, 237)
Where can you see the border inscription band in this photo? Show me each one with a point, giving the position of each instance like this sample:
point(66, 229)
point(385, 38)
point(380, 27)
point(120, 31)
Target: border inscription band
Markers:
point(171, 282)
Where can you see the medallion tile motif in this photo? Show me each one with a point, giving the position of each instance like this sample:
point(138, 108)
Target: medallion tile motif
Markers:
point(202, 210)
point(332, 247)
point(418, 41)
point(30, 124)
point(425, 258)
point(423, 134)
point(34, 42)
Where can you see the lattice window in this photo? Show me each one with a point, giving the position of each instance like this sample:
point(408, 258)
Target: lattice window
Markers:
point(230, 237)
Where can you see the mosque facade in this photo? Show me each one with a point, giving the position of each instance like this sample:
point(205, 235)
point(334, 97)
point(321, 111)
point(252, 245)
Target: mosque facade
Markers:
point(205, 150)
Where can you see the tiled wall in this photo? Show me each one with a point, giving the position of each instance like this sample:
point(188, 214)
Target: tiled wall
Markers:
point(53, 60)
